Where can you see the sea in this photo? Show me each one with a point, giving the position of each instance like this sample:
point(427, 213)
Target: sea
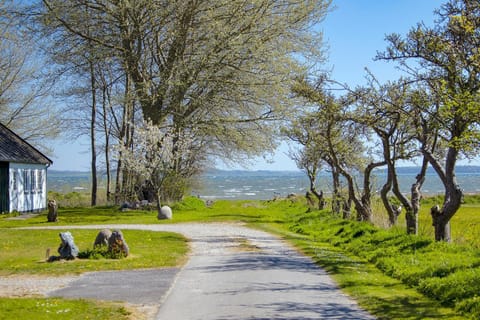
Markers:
point(265, 185)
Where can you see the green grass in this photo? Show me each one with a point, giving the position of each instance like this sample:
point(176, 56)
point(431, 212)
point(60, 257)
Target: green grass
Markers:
point(393, 275)
point(383, 296)
point(54, 308)
point(415, 266)
point(24, 251)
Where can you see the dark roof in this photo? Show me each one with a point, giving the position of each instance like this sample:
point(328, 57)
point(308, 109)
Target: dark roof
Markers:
point(15, 149)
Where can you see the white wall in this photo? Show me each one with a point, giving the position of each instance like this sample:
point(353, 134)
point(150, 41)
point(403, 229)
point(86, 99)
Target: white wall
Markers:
point(28, 187)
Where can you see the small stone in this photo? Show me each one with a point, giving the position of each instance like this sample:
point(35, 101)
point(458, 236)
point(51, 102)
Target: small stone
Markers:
point(165, 213)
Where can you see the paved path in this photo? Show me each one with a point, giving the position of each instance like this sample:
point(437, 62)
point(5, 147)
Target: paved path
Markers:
point(235, 273)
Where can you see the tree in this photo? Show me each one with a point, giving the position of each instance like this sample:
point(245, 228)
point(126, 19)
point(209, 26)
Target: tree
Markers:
point(310, 157)
point(155, 156)
point(25, 104)
point(343, 146)
point(446, 59)
point(223, 69)
point(388, 110)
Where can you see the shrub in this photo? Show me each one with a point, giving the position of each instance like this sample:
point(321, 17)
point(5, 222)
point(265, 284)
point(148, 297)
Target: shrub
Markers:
point(189, 203)
point(100, 253)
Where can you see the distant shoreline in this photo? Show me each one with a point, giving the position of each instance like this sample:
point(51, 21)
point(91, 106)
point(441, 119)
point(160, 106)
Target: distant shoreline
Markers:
point(265, 185)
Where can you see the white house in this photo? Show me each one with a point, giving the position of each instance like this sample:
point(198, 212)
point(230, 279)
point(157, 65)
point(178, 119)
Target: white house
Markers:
point(23, 174)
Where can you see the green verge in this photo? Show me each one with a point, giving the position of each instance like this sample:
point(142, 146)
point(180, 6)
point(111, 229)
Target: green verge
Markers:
point(391, 274)
point(54, 308)
point(383, 296)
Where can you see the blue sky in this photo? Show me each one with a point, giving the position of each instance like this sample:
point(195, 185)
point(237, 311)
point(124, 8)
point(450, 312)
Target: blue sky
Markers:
point(353, 31)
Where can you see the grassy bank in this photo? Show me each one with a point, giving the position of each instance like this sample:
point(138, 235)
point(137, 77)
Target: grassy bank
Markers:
point(392, 275)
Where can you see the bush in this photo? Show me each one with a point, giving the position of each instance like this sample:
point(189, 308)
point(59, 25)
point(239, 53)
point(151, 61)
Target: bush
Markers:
point(189, 203)
point(100, 253)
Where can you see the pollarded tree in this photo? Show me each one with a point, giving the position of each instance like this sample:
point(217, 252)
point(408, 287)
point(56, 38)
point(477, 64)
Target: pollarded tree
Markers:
point(310, 156)
point(446, 58)
point(390, 111)
point(343, 145)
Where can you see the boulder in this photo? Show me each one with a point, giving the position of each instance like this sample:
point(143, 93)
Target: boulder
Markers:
point(117, 244)
point(67, 250)
point(102, 238)
point(165, 213)
point(52, 211)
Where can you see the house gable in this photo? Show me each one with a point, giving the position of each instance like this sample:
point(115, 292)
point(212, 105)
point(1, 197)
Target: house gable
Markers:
point(23, 173)
point(15, 149)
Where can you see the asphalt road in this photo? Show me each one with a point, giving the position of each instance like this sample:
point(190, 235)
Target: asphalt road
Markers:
point(233, 273)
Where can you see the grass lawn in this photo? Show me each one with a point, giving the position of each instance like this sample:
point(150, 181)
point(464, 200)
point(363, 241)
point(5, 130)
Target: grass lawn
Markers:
point(54, 308)
point(384, 296)
point(24, 251)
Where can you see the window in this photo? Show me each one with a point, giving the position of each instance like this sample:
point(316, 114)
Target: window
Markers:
point(27, 182)
point(15, 179)
point(39, 186)
point(33, 181)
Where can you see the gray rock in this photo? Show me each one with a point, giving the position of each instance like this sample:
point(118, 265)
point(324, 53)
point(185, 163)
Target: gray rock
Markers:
point(52, 211)
point(67, 250)
point(102, 238)
point(165, 213)
point(117, 244)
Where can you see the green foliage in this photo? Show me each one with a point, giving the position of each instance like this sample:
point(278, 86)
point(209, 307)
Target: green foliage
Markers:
point(70, 200)
point(100, 253)
point(188, 204)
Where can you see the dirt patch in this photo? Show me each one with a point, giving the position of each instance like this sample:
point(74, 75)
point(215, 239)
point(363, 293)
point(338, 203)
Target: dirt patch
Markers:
point(25, 286)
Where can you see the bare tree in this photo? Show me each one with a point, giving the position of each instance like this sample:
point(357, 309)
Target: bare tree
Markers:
point(25, 101)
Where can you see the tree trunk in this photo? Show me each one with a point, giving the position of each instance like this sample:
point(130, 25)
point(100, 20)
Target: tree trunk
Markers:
point(347, 208)
point(440, 224)
point(312, 176)
point(121, 183)
point(336, 196)
point(107, 143)
point(411, 216)
point(363, 213)
point(93, 201)
point(453, 195)
point(392, 212)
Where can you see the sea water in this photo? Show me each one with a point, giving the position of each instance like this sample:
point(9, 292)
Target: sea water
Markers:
point(265, 185)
